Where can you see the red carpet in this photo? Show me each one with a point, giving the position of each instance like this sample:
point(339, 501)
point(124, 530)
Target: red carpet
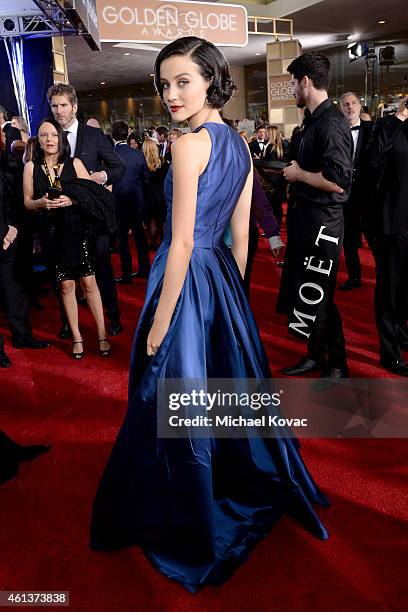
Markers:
point(78, 407)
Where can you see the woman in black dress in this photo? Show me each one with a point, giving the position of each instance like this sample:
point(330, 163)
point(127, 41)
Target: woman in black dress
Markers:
point(155, 191)
point(275, 182)
point(68, 229)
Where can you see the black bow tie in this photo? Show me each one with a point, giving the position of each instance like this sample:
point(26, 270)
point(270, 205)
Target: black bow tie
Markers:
point(356, 127)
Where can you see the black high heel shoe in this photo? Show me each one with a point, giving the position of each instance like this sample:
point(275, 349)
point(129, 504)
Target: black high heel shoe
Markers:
point(77, 355)
point(104, 352)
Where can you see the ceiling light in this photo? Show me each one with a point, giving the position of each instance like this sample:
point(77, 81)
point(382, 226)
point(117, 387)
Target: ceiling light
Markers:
point(151, 74)
point(103, 83)
point(257, 54)
point(126, 54)
point(382, 21)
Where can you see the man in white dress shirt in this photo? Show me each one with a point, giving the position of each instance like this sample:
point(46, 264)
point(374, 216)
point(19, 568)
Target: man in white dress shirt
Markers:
point(353, 210)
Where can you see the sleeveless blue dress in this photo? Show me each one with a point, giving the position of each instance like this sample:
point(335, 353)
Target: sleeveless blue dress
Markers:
point(198, 506)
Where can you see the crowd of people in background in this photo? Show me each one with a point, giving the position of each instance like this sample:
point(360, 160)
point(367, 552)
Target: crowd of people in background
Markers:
point(71, 195)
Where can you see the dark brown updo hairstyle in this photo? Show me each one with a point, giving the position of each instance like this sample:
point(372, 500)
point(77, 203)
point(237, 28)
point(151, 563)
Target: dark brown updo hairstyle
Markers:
point(212, 65)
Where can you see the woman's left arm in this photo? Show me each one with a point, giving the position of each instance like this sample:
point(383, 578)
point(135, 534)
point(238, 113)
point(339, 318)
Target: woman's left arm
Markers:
point(81, 173)
point(189, 159)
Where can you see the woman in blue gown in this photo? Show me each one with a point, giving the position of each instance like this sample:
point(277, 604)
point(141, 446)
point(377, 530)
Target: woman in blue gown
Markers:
point(197, 506)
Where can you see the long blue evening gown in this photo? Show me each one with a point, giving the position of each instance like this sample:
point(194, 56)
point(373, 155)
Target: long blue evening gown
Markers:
point(198, 506)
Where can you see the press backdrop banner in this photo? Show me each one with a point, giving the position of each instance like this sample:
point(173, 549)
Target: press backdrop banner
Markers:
point(154, 21)
point(280, 91)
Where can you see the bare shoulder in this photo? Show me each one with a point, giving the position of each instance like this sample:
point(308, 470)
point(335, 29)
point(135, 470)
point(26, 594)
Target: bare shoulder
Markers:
point(190, 142)
point(193, 149)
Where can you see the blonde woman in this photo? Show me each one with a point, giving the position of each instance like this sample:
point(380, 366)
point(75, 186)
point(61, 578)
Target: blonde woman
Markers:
point(274, 148)
point(155, 194)
point(151, 153)
point(275, 183)
point(21, 124)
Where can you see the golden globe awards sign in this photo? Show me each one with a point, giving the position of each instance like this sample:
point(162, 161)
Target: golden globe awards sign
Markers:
point(280, 91)
point(155, 21)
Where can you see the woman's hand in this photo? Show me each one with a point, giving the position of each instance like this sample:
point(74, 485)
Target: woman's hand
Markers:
point(65, 201)
point(9, 237)
point(156, 336)
point(48, 204)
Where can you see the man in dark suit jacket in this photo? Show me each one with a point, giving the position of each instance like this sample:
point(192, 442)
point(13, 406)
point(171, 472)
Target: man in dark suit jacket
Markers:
point(11, 294)
point(11, 133)
point(388, 157)
point(162, 136)
point(360, 132)
point(11, 164)
point(258, 146)
point(91, 146)
point(130, 204)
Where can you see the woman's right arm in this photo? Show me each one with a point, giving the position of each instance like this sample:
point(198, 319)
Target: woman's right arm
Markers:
point(28, 185)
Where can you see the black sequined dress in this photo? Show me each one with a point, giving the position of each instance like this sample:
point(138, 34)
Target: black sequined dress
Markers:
point(66, 239)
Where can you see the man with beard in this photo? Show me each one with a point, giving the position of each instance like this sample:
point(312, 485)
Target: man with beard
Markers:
point(258, 146)
point(322, 178)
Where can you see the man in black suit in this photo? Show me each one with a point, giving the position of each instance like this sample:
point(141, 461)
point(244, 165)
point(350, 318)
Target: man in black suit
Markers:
point(130, 204)
point(258, 146)
point(162, 137)
point(10, 163)
point(388, 156)
point(91, 146)
point(11, 293)
point(360, 132)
